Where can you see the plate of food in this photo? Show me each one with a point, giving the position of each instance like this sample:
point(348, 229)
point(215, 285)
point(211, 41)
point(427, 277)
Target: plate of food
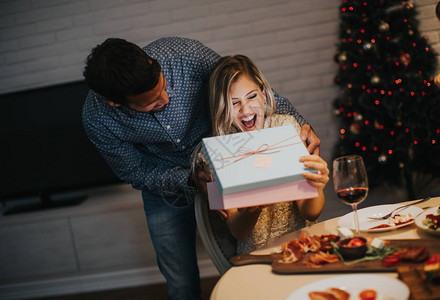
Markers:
point(429, 220)
point(402, 218)
point(360, 286)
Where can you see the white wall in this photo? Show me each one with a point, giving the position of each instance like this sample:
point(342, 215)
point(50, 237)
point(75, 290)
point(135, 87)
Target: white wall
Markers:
point(45, 42)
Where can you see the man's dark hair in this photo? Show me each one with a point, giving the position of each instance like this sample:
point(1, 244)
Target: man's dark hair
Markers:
point(117, 68)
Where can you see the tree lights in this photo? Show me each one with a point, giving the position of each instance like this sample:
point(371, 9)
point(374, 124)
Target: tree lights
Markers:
point(388, 105)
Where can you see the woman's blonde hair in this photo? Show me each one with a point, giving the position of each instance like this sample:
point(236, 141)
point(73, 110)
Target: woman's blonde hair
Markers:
point(226, 72)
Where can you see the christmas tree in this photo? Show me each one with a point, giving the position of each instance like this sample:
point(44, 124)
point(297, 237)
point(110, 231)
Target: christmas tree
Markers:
point(388, 105)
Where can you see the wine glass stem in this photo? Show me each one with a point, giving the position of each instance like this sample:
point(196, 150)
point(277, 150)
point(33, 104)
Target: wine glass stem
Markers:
point(356, 219)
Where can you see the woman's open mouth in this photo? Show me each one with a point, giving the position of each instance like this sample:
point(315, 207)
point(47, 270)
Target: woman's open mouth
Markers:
point(249, 122)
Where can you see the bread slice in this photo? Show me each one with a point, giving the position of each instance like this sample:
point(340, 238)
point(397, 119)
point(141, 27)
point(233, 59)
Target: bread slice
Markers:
point(316, 295)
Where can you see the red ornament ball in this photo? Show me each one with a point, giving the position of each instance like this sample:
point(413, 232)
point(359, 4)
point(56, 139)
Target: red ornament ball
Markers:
point(405, 58)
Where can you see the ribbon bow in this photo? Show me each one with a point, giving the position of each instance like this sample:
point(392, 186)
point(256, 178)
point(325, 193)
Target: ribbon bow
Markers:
point(247, 152)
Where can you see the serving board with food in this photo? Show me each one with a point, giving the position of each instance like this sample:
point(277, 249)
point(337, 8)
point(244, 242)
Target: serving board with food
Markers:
point(327, 253)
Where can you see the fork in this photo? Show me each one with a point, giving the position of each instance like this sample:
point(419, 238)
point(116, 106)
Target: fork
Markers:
point(398, 208)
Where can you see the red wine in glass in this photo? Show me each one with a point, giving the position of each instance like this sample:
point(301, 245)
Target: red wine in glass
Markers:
point(350, 182)
point(352, 195)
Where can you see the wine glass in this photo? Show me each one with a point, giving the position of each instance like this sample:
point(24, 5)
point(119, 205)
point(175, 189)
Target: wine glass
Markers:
point(350, 182)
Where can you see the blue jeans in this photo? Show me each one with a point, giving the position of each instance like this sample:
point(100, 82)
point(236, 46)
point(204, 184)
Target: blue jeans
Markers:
point(173, 233)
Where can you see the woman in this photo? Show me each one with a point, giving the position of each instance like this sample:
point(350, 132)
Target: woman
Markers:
point(241, 100)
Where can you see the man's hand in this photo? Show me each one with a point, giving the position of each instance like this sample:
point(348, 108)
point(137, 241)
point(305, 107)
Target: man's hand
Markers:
point(312, 141)
point(200, 178)
point(437, 80)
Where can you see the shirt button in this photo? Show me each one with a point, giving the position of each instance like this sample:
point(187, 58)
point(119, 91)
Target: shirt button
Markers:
point(183, 147)
point(178, 140)
point(168, 126)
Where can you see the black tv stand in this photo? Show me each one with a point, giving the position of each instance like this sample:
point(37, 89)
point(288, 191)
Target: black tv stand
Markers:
point(45, 201)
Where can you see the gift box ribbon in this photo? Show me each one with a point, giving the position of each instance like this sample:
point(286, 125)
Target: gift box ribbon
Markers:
point(247, 152)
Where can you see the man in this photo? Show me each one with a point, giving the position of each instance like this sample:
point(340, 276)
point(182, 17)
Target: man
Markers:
point(146, 112)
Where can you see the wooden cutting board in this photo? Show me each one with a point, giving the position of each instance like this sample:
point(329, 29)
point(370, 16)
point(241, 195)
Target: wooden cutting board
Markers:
point(433, 246)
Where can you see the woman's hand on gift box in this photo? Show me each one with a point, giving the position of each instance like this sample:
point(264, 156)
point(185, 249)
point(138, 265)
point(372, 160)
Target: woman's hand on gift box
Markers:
point(311, 208)
point(315, 162)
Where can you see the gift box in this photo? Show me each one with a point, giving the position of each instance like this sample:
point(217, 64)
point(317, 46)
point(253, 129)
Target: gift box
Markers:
point(257, 168)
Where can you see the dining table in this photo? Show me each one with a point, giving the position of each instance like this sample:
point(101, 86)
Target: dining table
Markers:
point(258, 281)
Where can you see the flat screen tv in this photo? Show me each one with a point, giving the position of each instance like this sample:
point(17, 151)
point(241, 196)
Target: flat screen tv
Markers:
point(45, 150)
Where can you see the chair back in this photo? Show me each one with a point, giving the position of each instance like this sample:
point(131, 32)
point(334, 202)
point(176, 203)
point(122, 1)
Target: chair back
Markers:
point(215, 235)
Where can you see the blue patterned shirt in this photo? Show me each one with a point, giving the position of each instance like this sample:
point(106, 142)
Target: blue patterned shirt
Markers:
point(152, 150)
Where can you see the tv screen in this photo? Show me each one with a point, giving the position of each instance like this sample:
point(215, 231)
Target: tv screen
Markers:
point(44, 147)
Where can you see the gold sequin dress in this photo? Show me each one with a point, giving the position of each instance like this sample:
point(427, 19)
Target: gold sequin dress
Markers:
point(278, 219)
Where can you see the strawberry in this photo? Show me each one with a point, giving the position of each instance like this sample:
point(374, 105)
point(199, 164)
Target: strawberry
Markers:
point(432, 268)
